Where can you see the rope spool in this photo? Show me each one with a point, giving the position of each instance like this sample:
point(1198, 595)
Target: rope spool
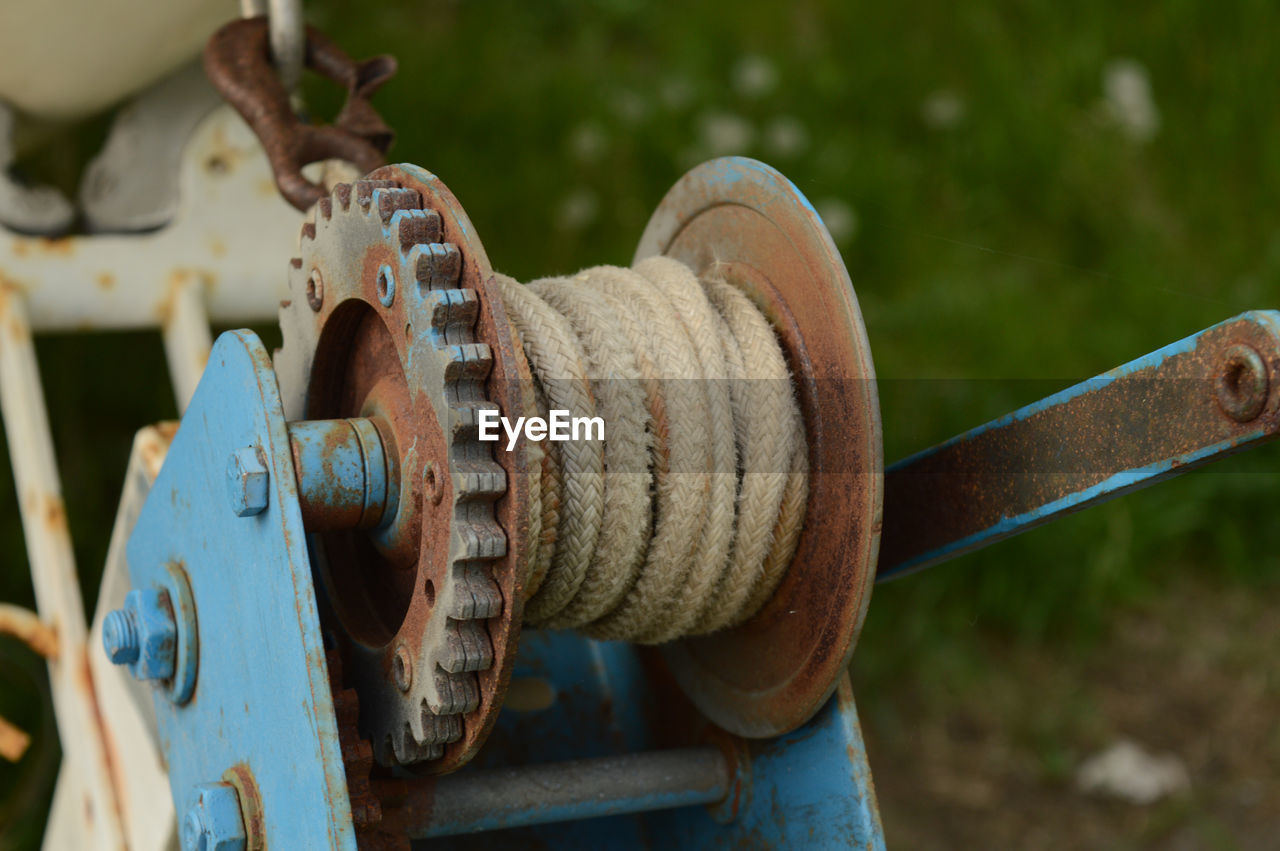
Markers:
point(685, 518)
point(731, 513)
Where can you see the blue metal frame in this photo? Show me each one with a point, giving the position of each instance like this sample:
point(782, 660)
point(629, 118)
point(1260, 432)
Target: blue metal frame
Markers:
point(261, 697)
point(808, 789)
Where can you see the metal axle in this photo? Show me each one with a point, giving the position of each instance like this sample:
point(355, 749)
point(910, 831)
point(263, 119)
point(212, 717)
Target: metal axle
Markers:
point(496, 798)
point(346, 478)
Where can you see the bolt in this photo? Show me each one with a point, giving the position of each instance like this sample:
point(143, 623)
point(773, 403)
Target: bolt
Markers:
point(213, 821)
point(143, 635)
point(120, 637)
point(386, 286)
point(1242, 384)
point(247, 480)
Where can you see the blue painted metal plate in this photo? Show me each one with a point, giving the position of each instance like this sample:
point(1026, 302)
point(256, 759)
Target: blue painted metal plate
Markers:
point(574, 698)
point(262, 695)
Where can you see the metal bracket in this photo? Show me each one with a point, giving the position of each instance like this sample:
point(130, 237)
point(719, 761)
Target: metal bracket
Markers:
point(1189, 403)
point(261, 699)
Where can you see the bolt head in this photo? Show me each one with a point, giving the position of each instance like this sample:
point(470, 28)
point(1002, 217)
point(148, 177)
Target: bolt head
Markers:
point(157, 635)
point(247, 481)
point(213, 821)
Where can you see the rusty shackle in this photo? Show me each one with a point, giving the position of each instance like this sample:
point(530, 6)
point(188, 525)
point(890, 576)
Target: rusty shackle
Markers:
point(237, 60)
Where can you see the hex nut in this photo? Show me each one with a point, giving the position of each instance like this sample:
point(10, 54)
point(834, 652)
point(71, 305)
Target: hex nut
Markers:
point(247, 481)
point(157, 635)
point(213, 821)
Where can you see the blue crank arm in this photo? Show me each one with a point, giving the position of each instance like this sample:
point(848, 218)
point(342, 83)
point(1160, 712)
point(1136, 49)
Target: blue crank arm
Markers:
point(1212, 394)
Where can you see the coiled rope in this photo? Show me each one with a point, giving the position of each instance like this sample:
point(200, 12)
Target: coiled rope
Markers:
point(684, 519)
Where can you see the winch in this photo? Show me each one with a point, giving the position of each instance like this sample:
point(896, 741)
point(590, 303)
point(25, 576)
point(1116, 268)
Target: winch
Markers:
point(581, 561)
point(339, 527)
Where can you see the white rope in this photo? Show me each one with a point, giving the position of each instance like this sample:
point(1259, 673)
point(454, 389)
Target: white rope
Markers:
point(687, 517)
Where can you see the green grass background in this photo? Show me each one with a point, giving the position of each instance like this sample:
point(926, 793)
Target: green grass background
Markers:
point(1030, 240)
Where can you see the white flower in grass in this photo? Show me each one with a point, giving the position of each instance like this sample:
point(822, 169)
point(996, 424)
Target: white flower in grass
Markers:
point(587, 142)
point(785, 136)
point(579, 209)
point(1129, 773)
point(1127, 100)
point(839, 217)
point(754, 76)
point(630, 106)
point(942, 110)
point(676, 92)
point(724, 133)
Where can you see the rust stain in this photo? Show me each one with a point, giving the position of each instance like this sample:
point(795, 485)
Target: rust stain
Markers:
point(179, 279)
point(109, 752)
point(105, 281)
point(153, 446)
point(10, 289)
point(26, 626)
point(53, 513)
point(217, 247)
point(13, 741)
point(59, 246)
point(62, 246)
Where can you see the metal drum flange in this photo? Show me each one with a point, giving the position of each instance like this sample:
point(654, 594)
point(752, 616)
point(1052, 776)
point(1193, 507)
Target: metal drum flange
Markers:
point(390, 317)
point(746, 223)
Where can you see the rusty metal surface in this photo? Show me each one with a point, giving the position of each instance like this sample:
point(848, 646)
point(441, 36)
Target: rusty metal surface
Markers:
point(572, 790)
point(772, 673)
point(437, 589)
point(1209, 395)
point(238, 62)
point(346, 479)
point(26, 626)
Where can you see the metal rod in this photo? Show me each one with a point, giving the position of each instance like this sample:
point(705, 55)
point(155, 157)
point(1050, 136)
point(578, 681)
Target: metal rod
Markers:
point(53, 567)
point(496, 798)
point(1194, 401)
point(346, 479)
point(185, 329)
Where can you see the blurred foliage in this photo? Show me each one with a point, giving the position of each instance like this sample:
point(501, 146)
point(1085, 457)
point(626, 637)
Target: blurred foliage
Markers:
point(1005, 234)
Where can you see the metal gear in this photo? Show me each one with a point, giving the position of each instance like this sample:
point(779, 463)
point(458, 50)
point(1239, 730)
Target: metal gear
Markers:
point(388, 318)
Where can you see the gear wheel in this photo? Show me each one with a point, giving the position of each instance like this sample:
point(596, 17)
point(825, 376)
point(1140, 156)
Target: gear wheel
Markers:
point(389, 318)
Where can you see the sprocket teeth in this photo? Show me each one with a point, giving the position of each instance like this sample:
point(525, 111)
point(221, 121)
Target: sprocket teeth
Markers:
point(454, 313)
point(436, 266)
point(468, 361)
point(342, 194)
point(467, 647)
point(464, 419)
point(445, 688)
point(390, 201)
point(432, 729)
point(458, 694)
point(363, 190)
point(416, 226)
point(408, 751)
point(479, 539)
point(475, 479)
point(478, 596)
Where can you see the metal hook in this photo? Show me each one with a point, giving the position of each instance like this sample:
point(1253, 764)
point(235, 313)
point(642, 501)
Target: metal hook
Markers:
point(237, 60)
